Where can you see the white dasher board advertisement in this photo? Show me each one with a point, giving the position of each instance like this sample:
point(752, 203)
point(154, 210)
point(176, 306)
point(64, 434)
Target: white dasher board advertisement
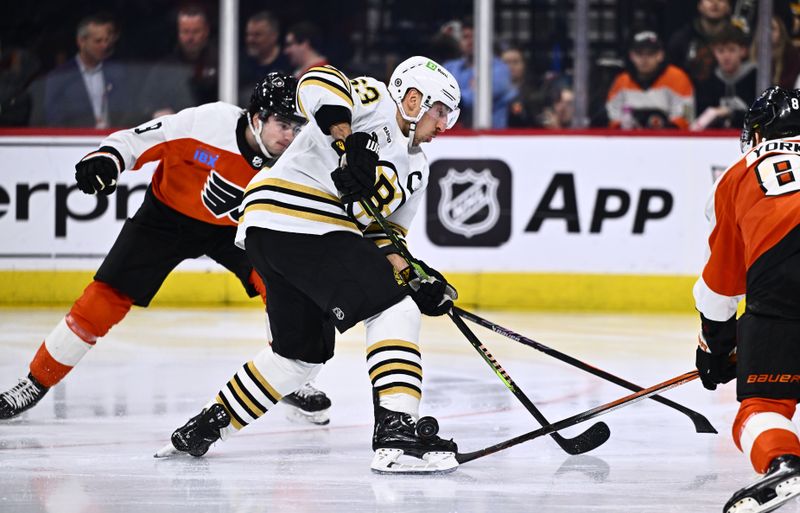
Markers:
point(495, 203)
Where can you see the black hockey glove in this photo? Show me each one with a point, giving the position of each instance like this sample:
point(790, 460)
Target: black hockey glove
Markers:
point(434, 296)
point(715, 369)
point(355, 176)
point(98, 172)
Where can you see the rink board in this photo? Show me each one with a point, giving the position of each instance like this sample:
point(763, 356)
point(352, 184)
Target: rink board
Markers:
point(565, 222)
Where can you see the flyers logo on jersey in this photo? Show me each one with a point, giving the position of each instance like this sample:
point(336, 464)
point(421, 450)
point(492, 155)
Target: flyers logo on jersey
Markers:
point(222, 197)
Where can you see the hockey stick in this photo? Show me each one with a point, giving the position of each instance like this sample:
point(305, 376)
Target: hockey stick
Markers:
point(590, 439)
point(593, 437)
point(464, 457)
point(701, 424)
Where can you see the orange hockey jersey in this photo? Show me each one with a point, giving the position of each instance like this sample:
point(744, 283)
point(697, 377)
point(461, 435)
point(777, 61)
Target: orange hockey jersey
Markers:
point(669, 99)
point(205, 162)
point(754, 246)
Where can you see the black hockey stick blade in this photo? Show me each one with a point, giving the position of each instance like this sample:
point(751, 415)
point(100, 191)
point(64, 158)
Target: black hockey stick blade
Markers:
point(590, 439)
point(464, 457)
point(701, 423)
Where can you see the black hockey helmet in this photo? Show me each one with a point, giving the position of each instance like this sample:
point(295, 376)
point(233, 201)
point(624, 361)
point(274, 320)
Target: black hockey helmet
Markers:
point(773, 115)
point(276, 95)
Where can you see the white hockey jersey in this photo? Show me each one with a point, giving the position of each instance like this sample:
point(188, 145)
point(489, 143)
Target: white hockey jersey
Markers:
point(298, 195)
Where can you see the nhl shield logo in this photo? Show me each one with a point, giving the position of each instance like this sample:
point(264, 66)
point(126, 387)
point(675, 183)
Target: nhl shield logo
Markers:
point(469, 205)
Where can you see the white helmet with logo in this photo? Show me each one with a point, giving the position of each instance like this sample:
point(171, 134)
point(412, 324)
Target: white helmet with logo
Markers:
point(434, 82)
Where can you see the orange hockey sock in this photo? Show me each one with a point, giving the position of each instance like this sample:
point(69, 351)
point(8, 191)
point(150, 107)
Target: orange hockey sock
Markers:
point(763, 430)
point(91, 316)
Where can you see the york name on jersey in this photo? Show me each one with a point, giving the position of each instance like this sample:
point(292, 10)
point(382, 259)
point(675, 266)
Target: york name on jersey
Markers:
point(298, 195)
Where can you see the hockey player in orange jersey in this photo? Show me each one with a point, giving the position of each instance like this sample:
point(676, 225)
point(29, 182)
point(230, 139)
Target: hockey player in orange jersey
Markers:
point(754, 245)
point(206, 156)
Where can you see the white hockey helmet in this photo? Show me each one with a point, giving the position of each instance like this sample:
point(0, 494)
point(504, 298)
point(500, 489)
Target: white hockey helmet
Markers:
point(434, 82)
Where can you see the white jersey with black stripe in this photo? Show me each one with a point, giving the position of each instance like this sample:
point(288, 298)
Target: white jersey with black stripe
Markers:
point(298, 195)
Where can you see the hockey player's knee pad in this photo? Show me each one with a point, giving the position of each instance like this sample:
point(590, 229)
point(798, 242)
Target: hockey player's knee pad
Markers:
point(400, 321)
point(99, 308)
point(284, 374)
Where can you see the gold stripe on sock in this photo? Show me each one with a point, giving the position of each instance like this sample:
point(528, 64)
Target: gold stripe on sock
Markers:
point(274, 393)
point(400, 390)
point(234, 422)
point(396, 366)
point(240, 395)
point(392, 342)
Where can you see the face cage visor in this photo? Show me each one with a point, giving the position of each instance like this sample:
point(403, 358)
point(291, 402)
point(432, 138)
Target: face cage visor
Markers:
point(441, 112)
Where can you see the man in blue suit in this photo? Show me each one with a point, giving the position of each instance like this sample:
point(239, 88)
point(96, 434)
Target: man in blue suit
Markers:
point(88, 90)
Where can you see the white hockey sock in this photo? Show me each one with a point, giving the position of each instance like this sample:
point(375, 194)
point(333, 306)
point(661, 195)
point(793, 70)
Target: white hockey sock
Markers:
point(61, 350)
point(259, 385)
point(393, 357)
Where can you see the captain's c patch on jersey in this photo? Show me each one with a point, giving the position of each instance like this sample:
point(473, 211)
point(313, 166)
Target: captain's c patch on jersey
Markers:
point(222, 197)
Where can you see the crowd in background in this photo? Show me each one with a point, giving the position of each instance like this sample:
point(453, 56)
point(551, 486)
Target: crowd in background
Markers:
point(697, 77)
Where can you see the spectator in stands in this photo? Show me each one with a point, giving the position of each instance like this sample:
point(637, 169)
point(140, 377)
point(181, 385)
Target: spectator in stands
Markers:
point(558, 115)
point(188, 76)
point(88, 90)
point(264, 53)
point(302, 43)
point(18, 67)
point(650, 93)
point(463, 70)
point(444, 45)
point(785, 57)
point(690, 47)
point(724, 99)
point(525, 109)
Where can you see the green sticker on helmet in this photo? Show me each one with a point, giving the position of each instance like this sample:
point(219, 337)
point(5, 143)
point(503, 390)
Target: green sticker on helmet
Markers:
point(431, 65)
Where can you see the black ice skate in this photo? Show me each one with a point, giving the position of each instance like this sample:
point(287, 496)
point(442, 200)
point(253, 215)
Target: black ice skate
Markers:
point(779, 485)
point(202, 430)
point(396, 434)
point(22, 397)
point(308, 404)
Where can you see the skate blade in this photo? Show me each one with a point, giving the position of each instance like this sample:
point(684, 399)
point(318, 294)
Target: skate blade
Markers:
point(386, 461)
point(786, 491)
point(320, 418)
point(166, 451)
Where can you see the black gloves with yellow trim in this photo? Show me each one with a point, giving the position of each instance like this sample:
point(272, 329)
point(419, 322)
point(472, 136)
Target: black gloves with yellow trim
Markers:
point(358, 159)
point(433, 295)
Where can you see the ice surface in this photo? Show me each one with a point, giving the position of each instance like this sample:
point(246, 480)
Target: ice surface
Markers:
point(88, 446)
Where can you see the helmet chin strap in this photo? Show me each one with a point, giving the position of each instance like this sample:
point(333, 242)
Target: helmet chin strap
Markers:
point(412, 120)
point(256, 131)
point(412, 128)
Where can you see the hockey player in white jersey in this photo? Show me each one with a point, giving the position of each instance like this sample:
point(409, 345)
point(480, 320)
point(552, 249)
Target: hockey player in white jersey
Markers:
point(327, 266)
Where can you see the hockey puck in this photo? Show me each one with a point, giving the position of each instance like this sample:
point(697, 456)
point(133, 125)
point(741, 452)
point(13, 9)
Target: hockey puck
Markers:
point(427, 427)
